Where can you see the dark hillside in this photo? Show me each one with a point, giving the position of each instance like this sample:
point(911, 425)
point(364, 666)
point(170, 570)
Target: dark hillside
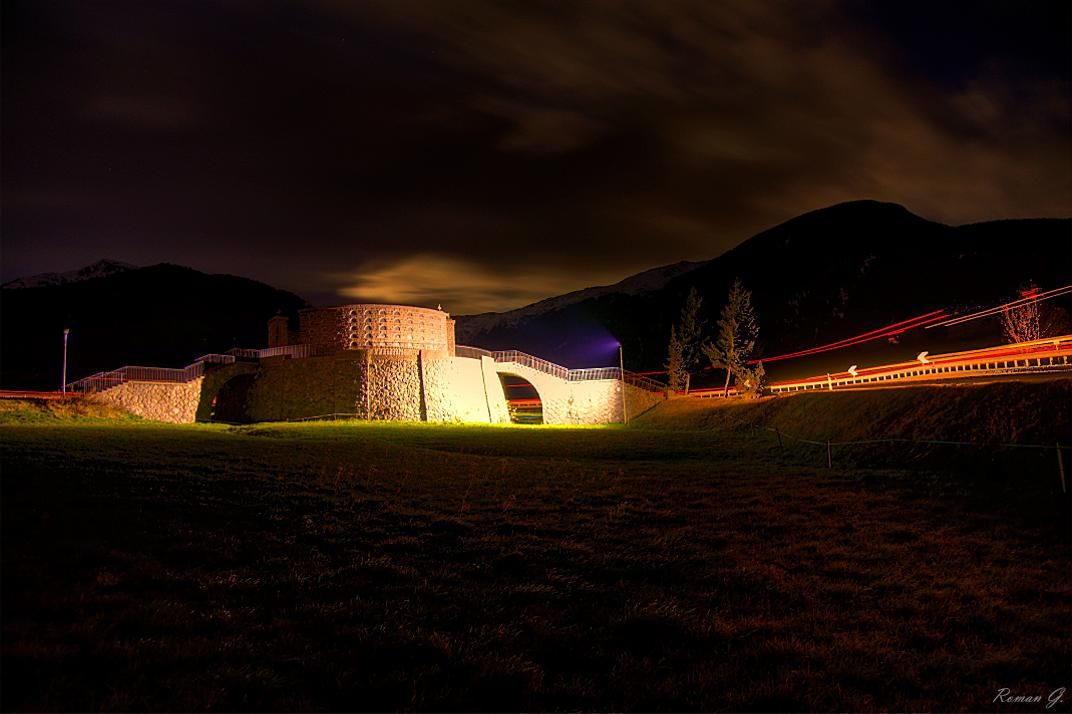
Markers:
point(164, 315)
point(821, 277)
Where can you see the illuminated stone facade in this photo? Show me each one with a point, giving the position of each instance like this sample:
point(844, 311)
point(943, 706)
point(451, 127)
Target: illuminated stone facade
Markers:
point(380, 362)
point(379, 328)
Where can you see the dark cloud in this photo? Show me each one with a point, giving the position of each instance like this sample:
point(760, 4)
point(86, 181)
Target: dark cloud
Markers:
point(492, 153)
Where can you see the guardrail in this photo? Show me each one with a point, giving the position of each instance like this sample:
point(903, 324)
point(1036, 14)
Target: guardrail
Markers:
point(557, 370)
point(1041, 356)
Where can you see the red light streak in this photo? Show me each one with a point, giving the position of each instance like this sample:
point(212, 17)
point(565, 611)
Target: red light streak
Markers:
point(889, 331)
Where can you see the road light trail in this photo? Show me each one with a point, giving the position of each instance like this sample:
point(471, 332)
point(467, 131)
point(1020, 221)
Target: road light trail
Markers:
point(896, 328)
point(1050, 355)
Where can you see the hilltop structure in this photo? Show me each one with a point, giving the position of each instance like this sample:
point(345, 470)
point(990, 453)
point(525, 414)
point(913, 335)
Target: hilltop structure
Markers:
point(387, 362)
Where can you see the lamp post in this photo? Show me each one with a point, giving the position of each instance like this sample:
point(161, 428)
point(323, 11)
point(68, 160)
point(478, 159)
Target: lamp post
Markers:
point(63, 387)
point(621, 372)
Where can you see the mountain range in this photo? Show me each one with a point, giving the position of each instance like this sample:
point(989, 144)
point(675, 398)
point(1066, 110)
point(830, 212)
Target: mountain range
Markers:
point(820, 277)
point(100, 269)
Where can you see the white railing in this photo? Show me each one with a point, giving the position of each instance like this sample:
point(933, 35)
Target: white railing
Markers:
point(557, 370)
point(472, 352)
point(213, 358)
point(1050, 355)
point(284, 351)
point(134, 373)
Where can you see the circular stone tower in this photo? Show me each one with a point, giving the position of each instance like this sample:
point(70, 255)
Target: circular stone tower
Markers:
point(378, 328)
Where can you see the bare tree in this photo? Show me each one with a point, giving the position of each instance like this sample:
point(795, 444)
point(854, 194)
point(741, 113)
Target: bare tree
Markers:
point(1032, 320)
point(1021, 323)
point(736, 337)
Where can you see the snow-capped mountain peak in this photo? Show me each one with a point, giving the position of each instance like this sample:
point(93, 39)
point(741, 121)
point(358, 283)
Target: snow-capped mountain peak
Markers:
point(101, 269)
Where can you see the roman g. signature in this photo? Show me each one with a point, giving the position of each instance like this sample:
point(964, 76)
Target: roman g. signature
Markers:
point(1006, 696)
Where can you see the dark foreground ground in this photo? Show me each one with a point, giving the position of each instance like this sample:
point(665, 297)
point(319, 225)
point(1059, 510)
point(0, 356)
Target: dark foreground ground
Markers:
point(387, 567)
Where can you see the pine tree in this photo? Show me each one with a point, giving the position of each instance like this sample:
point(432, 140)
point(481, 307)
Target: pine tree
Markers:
point(736, 337)
point(675, 367)
point(690, 332)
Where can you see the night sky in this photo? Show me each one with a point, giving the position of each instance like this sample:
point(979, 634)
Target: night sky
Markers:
point(484, 155)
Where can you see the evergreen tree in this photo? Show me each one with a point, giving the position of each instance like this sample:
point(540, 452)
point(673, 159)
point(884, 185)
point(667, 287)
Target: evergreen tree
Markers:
point(675, 365)
point(736, 338)
point(690, 331)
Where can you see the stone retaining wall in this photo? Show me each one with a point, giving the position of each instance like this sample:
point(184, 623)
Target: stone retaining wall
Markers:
point(390, 388)
point(307, 387)
point(454, 390)
point(160, 401)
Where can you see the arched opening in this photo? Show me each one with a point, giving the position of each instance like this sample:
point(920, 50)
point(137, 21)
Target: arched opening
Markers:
point(230, 403)
point(522, 400)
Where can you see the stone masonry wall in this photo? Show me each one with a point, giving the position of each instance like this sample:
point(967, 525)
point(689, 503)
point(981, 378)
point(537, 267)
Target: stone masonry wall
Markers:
point(175, 403)
point(496, 395)
point(600, 402)
point(454, 390)
point(356, 327)
point(390, 388)
point(311, 386)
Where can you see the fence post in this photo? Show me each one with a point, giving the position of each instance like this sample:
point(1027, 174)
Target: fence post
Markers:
point(779, 434)
point(829, 460)
point(1061, 468)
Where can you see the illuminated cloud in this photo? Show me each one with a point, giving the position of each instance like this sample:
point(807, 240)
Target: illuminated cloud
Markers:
point(460, 286)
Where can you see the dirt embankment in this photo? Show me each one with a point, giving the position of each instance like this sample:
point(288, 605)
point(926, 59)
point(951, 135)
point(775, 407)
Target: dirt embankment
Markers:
point(1006, 412)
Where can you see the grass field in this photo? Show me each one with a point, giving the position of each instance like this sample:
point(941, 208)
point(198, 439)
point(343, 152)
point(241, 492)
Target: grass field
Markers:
point(384, 567)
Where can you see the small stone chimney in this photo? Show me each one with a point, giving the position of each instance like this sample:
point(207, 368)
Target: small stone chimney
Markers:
point(279, 331)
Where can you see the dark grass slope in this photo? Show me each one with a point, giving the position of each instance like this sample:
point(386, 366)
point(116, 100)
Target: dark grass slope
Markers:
point(1026, 412)
point(388, 567)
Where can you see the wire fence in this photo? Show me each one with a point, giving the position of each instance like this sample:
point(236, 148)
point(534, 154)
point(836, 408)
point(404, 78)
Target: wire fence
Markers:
point(830, 444)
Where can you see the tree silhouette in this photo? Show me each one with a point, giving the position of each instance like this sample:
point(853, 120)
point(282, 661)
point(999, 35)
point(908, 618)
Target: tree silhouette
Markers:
point(688, 339)
point(736, 339)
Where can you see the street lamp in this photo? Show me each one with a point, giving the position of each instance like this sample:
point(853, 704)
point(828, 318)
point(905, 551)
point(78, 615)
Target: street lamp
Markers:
point(66, 331)
point(621, 372)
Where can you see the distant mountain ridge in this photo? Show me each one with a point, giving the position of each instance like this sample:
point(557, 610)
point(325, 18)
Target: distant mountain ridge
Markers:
point(645, 282)
point(101, 269)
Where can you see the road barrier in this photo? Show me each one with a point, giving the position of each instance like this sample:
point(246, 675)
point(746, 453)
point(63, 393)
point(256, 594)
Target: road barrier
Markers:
point(1053, 354)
